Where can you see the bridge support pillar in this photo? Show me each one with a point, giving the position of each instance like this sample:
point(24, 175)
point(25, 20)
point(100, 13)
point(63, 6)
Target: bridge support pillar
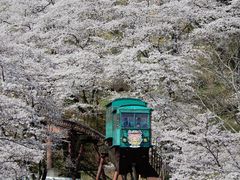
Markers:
point(116, 174)
point(101, 161)
point(49, 153)
point(100, 168)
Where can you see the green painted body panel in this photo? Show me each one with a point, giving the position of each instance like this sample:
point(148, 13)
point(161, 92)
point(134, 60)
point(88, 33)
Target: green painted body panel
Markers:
point(134, 110)
point(126, 102)
point(109, 123)
point(116, 141)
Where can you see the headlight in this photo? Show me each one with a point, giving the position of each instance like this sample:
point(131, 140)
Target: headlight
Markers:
point(145, 139)
point(124, 139)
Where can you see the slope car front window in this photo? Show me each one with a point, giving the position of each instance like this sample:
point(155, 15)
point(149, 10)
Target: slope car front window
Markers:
point(127, 120)
point(135, 120)
point(141, 120)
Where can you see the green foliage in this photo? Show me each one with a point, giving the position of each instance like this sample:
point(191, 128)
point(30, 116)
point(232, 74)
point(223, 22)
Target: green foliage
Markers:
point(210, 86)
point(50, 51)
point(187, 28)
point(142, 54)
point(121, 2)
point(217, 80)
point(157, 40)
point(69, 40)
point(115, 50)
point(230, 118)
point(69, 101)
point(111, 35)
point(103, 102)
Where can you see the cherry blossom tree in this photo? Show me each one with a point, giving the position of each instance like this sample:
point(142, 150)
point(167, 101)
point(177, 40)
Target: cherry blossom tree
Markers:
point(181, 56)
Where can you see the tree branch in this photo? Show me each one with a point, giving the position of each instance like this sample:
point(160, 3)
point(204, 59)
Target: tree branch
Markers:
point(212, 153)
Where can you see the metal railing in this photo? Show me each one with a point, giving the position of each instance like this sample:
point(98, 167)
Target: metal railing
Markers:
point(156, 161)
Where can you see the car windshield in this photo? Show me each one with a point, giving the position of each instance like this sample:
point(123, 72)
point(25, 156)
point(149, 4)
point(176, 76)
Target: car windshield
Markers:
point(134, 120)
